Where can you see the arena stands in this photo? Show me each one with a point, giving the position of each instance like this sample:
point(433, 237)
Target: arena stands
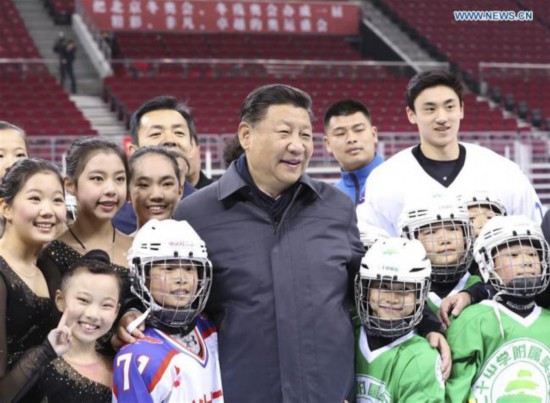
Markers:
point(60, 10)
point(460, 41)
point(234, 46)
point(15, 41)
point(466, 44)
point(40, 105)
point(31, 97)
point(381, 89)
point(213, 72)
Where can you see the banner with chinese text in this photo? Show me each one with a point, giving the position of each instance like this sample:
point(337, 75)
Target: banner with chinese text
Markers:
point(334, 18)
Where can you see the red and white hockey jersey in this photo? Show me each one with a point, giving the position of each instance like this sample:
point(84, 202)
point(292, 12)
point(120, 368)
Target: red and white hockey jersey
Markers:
point(168, 368)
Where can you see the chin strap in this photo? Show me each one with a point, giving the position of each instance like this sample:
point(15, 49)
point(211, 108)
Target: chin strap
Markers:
point(133, 325)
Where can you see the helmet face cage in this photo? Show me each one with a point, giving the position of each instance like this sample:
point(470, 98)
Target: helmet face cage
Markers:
point(171, 273)
point(443, 226)
point(175, 289)
point(517, 266)
point(390, 307)
point(481, 209)
point(448, 245)
point(391, 286)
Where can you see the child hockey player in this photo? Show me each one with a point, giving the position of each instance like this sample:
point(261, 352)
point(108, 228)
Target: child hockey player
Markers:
point(443, 227)
point(177, 361)
point(482, 206)
point(393, 363)
point(501, 349)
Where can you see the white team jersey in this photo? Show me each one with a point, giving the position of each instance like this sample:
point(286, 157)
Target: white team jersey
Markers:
point(165, 368)
point(392, 185)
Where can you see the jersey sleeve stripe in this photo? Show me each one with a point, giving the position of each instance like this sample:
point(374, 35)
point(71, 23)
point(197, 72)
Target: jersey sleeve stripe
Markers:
point(217, 394)
point(160, 371)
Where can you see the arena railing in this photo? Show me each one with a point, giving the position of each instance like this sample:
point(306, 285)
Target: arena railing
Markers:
point(322, 166)
point(24, 68)
point(235, 67)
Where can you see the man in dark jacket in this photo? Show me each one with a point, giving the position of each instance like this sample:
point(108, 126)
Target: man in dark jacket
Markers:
point(59, 49)
point(68, 56)
point(285, 249)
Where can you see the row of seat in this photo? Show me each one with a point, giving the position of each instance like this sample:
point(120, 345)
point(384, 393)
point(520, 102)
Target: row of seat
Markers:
point(42, 108)
point(215, 103)
point(487, 41)
point(233, 46)
point(466, 44)
point(60, 10)
point(15, 41)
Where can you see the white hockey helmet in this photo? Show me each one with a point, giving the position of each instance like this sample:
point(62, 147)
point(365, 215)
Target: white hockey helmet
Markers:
point(426, 214)
point(503, 237)
point(172, 244)
point(396, 264)
point(475, 201)
point(369, 234)
point(482, 198)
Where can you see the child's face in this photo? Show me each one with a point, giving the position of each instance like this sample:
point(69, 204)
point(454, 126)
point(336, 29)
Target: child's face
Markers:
point(392, 300)
point(174, 284)
point(517, 260)
point(12, 149)
point(101, 189)
point(92, 301)
point(444, 243)
point(479, 215)
point(154, 189)
point(38, 210)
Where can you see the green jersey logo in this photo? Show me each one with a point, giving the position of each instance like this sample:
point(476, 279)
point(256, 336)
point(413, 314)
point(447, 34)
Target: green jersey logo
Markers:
point(519, 371)
point(371, 390)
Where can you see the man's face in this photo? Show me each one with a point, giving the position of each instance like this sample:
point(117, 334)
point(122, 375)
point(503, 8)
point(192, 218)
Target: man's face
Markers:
point(352, 140)
point(437, 114)
point(278, 147)
point(164, 127)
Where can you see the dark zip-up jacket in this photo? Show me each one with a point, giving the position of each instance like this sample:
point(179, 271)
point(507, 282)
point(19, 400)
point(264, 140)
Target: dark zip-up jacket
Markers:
point(281, 294)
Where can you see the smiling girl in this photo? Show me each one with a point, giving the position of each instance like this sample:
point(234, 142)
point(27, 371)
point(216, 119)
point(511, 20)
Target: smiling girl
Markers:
point(32, 204)
point(97, 172)
point(89, 297)
point(13, 147)
point(155, 183)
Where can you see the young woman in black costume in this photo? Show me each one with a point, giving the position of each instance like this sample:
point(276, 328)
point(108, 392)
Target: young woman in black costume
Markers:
point(32, 204)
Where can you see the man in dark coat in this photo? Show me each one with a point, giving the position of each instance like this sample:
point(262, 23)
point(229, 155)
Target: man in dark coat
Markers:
point(285, 249)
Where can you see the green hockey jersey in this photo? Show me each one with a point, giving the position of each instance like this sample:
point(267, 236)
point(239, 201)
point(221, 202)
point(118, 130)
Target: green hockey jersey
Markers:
point(466, 281)
point(488, 367)
point(406, 370)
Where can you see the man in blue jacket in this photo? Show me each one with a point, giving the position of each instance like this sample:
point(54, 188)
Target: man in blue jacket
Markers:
point(351, 138)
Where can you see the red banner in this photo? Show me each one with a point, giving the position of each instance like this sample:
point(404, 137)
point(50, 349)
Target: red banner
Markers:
point(334, 18)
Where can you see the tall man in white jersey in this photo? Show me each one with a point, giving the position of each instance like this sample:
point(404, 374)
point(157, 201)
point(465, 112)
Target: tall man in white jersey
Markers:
point(440, 164)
